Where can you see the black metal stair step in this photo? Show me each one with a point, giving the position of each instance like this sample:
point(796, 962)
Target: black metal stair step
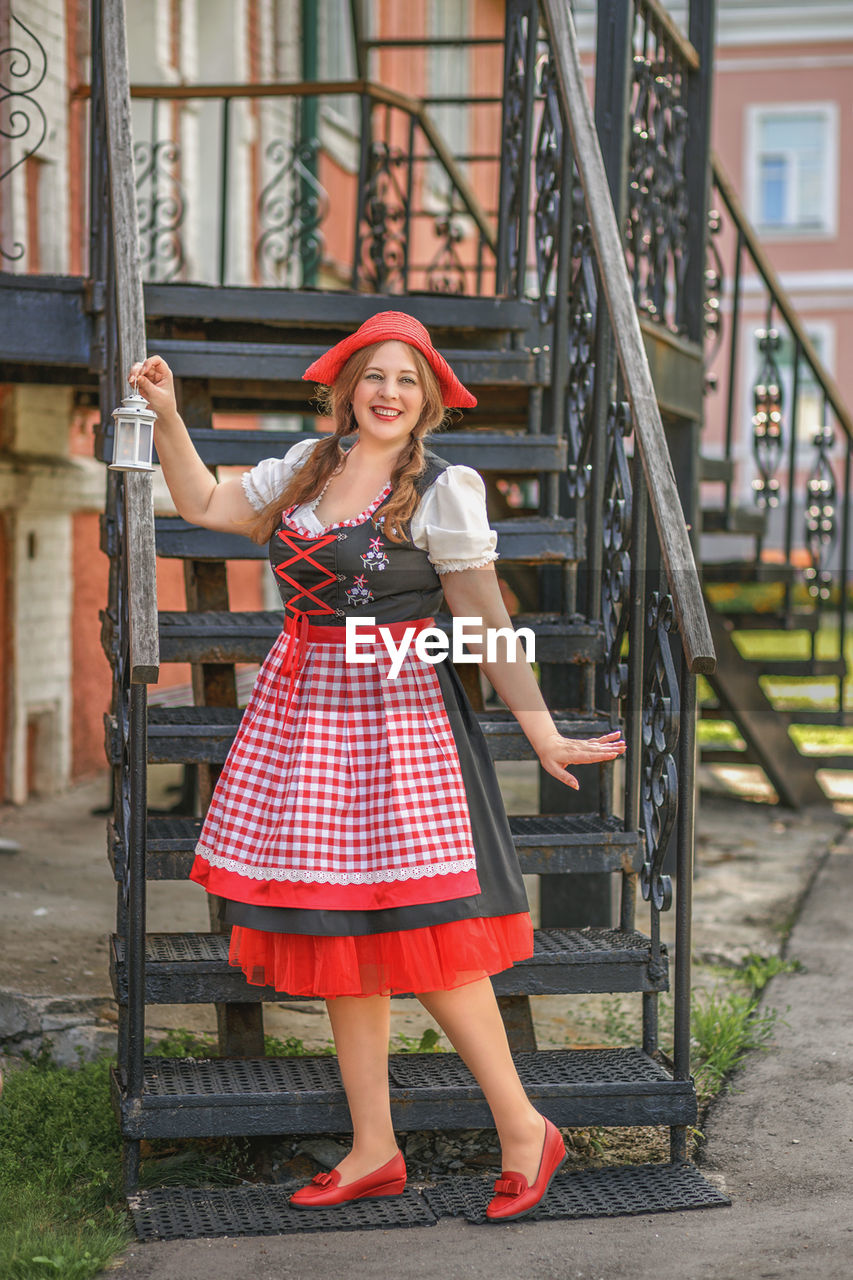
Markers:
point(515, 453)
point(199, 735)
point(192, 1213)
point(826, 757)
point(716, 470)
point(534, 540)
point(190, 1097)
point(247, 637)
point(739, 520)
point(546, 844)
point(332, 312)
point(796, 620)
point(193, 968)
point(285, 362)
point(802, 668)
point(789, 711)
point(749, 571)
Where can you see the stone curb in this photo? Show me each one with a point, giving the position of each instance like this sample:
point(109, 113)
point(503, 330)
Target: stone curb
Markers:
point(71, 1026)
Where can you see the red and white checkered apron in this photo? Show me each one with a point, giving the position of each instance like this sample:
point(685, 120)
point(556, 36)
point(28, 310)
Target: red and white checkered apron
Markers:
point(342, 789)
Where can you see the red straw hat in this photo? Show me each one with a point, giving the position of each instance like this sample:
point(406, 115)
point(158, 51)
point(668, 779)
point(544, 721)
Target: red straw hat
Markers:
point(392, 326)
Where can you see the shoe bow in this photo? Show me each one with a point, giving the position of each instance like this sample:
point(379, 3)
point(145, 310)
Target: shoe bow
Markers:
point(509, 1186)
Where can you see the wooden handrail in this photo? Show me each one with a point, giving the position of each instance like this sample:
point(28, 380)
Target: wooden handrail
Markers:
point(780, 295)
point(615, 286)
point(687, 52)
point(130, 312)
point(330, 88)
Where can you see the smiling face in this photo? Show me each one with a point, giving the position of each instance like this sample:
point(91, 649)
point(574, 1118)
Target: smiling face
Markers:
point(389, 396)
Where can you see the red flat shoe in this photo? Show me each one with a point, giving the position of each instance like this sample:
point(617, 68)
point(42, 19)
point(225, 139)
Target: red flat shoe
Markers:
point(325, 1188)
point(513, 1196)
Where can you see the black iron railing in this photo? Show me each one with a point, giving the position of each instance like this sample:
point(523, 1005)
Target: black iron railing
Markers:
point(641, 579)
point(400, 233)
point(801, 469)
point(23, 123)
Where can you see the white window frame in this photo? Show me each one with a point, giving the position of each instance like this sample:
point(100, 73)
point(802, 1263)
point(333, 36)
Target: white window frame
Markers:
point(754, 116)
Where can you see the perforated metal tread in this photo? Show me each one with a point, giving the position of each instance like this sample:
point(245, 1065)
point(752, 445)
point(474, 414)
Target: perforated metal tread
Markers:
point(545, 843)
point(185, 1213)
point(188, 1097)
point(589, 1193)
point(530, 539)
point(247, 637)
point(197, 735)
point(190, 968)
point(486, 450)
point(177, 834)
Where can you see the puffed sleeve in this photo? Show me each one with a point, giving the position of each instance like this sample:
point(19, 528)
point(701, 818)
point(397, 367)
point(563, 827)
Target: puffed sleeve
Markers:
point(451, 524)
point(269, 477)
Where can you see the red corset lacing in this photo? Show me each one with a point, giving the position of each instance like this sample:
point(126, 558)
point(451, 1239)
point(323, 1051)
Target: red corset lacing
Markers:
point(296, 623)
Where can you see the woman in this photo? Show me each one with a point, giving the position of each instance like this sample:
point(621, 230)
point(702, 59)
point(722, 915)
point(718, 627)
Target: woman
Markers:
point(357, 829)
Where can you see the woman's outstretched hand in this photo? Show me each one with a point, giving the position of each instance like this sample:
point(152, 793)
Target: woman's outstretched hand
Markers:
point(156, 384)
point(557, 752)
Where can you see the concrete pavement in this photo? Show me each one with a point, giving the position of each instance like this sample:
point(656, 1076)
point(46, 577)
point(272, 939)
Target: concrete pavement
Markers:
point(780, 1142)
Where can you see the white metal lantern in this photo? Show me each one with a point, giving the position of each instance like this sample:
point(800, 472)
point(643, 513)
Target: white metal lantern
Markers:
point(133, 436)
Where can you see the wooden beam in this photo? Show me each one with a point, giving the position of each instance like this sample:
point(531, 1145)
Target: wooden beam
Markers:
point(139, 507)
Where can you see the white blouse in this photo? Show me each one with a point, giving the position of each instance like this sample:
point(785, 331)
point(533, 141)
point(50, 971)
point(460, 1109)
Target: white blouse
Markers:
point(450, 523)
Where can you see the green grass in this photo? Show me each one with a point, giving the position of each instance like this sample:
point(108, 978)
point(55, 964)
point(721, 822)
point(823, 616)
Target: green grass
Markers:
point(61, 1209)
point(725, 1026)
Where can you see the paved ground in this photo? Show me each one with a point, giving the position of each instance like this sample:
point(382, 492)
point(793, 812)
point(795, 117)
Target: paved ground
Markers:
point(781, 1144)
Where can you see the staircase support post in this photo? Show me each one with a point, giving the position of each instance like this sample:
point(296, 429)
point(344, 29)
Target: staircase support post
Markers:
point(685, 822)
point(240, 1027)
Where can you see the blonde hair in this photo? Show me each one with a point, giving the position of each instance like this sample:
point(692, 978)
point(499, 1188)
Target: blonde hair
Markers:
point(329, 454)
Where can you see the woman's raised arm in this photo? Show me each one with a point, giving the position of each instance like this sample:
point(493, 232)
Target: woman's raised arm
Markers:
point(475, 593)
point(197, 494)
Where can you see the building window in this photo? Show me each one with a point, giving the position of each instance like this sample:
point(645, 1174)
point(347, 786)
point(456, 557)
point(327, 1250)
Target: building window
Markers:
point(793, 169)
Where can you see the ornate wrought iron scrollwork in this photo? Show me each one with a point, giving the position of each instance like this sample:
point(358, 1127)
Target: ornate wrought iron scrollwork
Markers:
point(821, 516)
point(767, 441)
point(512, 144)
point(384, 239)
point(656, 241)
point(548, 175)
point(661, 717)
point(616, 533)
point(715, 277)
point(22, 118)
point(446, 271)
point(583, 307)
point(291, 208)
point(160, 209)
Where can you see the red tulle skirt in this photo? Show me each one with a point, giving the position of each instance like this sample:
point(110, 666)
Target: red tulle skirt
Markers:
point(436, 958)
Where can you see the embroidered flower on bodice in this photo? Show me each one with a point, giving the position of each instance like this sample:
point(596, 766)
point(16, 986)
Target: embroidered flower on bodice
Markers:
point(375, 557)
point(360, 592)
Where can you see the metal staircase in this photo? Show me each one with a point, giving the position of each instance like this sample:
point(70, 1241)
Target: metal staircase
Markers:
point(567, 409)
point(791, 541)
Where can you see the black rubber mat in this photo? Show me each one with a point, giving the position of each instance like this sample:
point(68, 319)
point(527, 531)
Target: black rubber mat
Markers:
point(188, 1213)
point(589, 1193)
